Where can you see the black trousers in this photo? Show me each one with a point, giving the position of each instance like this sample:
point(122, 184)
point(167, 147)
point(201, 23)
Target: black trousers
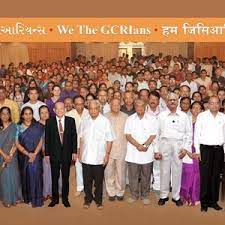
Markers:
point(211, 164)
point(55, 171)
point(93, 174)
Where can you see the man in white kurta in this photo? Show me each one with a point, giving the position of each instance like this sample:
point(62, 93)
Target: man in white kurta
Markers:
point(78, 114)
point(175, 137)
point(140, 130)
point(115, 172)
point(96, 137)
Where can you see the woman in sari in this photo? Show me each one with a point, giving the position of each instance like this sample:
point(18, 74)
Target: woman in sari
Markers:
point(10, 186)
point(190, 181)
point(29, 143)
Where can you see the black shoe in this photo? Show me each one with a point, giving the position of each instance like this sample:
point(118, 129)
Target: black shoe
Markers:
point(112, 198)
point(53, 203)
point(66, 204)
point(216, 207)
point(178, 202)
point(162, 201)
point(120, 198)
point(204, 208)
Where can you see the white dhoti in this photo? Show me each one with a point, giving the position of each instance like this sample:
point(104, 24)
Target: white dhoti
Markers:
point(79, 176)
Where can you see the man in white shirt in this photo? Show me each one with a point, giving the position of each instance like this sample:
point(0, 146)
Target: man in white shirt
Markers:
point(113, 75)
point(102, 97)
point(142, 84)
point(175, 137)
point(125, 78)
point(78, 114)
point(209, 140)
point(96, 137)
point(140, 130)
point(34, 103)
point(190, 83)
point(204, 79)
point(154, 110)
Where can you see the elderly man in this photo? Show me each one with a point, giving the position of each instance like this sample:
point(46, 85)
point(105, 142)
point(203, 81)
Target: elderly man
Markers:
point(96, 137)
point(61, 149)
point(209, 140)
point(175, 137)
point(128, 106)
point(102, 97)
point(115, 172)
point(140, 130)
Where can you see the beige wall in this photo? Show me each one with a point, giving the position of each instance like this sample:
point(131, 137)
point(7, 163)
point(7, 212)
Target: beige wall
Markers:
point(166, 48)
point(49, 51)
point(207, 49)
point(13, 52)
point(107, 50)
point(23, 52)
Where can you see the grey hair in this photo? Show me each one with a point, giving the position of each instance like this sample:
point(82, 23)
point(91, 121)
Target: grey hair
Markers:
point(95, 102)
point(172, 94)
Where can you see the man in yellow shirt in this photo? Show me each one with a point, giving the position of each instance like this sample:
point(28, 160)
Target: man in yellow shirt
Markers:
point(9, 103)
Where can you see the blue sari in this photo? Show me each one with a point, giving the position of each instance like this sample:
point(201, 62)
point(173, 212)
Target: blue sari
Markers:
point(31, 173)
point(10, 186)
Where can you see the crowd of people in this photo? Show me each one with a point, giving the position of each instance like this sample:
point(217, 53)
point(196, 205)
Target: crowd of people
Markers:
point(150, 123)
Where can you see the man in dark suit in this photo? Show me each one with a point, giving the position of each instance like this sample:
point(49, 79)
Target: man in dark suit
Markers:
point(60, 149)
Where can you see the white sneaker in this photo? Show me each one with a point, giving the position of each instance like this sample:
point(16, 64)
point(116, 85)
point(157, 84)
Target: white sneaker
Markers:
point(131, 200)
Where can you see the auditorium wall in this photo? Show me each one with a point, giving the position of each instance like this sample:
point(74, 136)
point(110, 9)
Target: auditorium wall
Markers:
point(206, 49)
point(49, 51)
point(13, 52)
point(24, 52)
point(106, 50)
point(167, 48)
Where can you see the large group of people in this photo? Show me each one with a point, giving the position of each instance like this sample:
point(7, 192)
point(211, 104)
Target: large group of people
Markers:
point(150, 123)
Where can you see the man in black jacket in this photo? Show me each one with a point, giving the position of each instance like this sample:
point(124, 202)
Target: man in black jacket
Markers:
point(60, 149)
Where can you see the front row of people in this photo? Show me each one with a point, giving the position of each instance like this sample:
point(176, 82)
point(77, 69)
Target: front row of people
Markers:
point(189, 151)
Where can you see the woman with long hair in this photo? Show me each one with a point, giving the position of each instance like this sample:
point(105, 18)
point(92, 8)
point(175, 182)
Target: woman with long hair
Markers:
point(10, 186)
point(17, 95)
point(29, 143)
